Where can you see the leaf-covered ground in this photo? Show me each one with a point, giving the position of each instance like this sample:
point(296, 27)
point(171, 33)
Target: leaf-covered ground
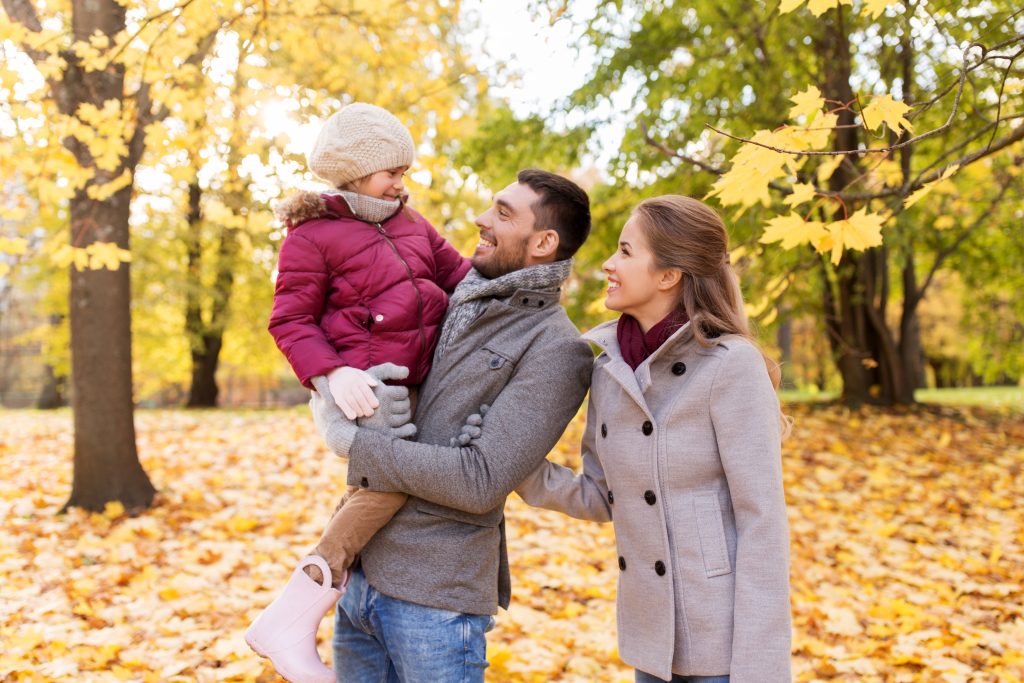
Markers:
point(907, 531)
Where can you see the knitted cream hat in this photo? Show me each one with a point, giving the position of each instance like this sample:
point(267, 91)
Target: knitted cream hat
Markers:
point(359, 140)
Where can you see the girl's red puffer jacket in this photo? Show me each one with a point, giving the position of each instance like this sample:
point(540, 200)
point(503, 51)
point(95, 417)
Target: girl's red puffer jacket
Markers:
point(355, 293)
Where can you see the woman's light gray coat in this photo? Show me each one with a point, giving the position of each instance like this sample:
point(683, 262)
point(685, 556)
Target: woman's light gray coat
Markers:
point(684, 456)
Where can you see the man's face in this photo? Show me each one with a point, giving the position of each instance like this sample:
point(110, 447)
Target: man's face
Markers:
point(505, 231)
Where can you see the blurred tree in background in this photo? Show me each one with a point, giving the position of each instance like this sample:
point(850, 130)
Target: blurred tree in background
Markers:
point(166, 121)
point(684, 67)
point(161, 134)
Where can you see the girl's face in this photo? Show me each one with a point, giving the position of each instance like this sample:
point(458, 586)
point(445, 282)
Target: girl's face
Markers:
point(382, 184)
point(635, 285)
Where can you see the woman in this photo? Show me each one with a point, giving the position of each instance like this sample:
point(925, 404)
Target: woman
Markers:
point(682, 452)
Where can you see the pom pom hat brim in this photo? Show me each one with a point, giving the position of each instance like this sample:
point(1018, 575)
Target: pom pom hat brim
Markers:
point(357, 141)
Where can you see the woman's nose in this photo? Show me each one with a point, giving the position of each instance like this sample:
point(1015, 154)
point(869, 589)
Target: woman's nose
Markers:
point(608, 266)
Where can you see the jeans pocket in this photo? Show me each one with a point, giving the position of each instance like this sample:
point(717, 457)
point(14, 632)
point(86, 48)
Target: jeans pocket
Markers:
point(712, 534)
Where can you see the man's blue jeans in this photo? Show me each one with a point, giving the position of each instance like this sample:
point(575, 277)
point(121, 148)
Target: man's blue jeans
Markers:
point(642, 677)
point(379, 639)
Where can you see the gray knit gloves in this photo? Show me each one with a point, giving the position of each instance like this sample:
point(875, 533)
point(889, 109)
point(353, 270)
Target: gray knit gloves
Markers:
point(472, 430)
point(393, 417)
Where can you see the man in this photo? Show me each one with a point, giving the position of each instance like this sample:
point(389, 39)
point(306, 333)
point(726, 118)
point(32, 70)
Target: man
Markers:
point(431, 578)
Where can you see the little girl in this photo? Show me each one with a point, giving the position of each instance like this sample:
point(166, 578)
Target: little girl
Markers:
point(362, 280)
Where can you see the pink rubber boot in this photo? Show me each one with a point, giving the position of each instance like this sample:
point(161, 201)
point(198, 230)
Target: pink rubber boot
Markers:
point(285, 632)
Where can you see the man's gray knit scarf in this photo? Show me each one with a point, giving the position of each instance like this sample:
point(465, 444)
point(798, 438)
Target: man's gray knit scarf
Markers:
point(475, 291)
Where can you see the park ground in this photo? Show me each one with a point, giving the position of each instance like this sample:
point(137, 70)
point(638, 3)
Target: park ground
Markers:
point(907, 550)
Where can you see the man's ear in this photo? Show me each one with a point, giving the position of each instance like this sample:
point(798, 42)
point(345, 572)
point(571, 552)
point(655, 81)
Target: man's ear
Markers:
point(542, 245)
point(670, 279)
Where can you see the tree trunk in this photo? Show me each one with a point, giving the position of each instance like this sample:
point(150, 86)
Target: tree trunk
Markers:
point(206, 334)
point(866, 353)
point(911, 350)
point(51, 395)
point(784, 338)
point(106, 465)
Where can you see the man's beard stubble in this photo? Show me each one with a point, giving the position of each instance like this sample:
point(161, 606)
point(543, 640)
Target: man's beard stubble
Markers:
point(502, 261)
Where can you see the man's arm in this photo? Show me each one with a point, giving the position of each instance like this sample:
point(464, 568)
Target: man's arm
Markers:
point(523, 424)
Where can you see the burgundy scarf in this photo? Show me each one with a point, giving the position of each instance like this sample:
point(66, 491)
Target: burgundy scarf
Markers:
point(636, 346)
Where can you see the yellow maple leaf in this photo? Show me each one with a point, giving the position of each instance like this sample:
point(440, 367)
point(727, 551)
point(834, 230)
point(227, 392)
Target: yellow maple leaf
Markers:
point(890, 172)
point(875, 7)
point(860, 231)
point(942, 182)
point(792, 230)
point(107, 190)
point(828, 167)
point(113, 509)
point(819, 7)
point(884, 109)
point(106, 255)
point(809, 103)
point(14, 246)
point(802, 192)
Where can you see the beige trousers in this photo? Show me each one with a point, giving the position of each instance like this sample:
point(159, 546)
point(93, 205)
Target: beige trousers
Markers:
point(359, 515)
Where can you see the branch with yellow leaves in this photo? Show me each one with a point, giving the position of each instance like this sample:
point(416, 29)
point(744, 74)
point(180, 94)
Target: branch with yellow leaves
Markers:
point(965, 69)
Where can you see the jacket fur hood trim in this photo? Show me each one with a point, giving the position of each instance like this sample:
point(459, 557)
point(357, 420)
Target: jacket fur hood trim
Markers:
point(300, 207)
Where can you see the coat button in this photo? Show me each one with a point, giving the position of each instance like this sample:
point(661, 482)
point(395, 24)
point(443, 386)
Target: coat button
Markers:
point(648, 428)
point(604, 430)
point(611, 497)
point(622, 563)
point(379, 318)
point(650, 497)
point(659, 568)
point(495, 362)
point(678, 368)
point(364, 483)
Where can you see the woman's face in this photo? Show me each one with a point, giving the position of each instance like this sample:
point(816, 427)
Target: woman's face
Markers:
point(634, 282)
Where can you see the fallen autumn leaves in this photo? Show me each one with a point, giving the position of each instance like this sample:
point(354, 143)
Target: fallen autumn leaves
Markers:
point(907, 537)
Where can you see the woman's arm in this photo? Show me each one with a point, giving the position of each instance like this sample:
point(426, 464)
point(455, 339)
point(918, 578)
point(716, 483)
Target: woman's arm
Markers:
point(583, 495)
point(745, 414)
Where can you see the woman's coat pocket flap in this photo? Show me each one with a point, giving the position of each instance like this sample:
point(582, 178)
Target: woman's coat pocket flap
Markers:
point(712, 534)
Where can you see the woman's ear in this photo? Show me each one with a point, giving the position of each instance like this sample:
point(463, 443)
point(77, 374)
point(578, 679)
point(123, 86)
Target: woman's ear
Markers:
point(543, 245)
point(670, 279)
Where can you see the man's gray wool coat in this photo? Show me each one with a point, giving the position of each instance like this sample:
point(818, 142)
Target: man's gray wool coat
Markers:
point(446, 547)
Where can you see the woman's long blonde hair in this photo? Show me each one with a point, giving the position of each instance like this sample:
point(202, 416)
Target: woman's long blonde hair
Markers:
point(688, 235)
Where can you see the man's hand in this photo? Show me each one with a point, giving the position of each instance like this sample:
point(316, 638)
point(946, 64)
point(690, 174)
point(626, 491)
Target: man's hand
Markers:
point(337, 429)
point(352, 390)
point(472, 430)
point(394, 416)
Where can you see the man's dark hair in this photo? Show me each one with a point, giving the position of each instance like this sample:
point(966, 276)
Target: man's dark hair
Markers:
point(563, 207)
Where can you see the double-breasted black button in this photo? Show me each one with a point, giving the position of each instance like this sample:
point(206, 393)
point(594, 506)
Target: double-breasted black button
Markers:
point(604, 430)
point(622, 563)
point(364, 482)
point(611, 497)
point(650, 497)
point(659, 568)
point(648, 428)
point(678, 368)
